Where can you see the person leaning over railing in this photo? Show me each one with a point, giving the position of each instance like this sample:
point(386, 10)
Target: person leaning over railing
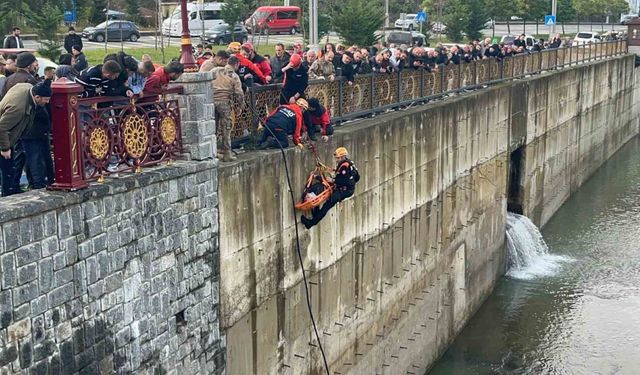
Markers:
point(296, 81)
point(26, 70)
point(323, 68)
point(17, 112)
point(95, 80)
point(159, 80)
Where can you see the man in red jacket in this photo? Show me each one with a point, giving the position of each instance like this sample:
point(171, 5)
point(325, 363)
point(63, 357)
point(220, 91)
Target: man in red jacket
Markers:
point(249, 72)
point(262, 63)
point(159, 80)
point(284, 120)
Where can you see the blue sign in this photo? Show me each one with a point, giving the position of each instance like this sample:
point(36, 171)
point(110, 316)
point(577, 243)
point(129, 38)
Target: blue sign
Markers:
point(549, 20)
point(421, 17)
point(71, 16)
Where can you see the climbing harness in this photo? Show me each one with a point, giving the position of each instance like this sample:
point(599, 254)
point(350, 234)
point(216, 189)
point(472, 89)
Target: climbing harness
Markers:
point(321, 172)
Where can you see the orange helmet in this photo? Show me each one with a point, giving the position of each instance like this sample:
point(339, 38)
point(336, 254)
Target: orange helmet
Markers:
point(234, 47)
point(302, 103)
point(340, 152)
point(295, 60)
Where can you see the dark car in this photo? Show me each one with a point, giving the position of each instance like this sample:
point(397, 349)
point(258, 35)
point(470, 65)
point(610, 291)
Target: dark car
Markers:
point(116, 30)
point(221, 34)
point(408, 38)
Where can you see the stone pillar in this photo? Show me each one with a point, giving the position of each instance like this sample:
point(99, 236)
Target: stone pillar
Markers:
point(197, 116)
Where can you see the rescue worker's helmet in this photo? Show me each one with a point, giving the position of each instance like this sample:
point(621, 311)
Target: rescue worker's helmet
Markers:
point(340, 152)
point(295, 60)
point(302, 104)
point(248, 46)
point(234, 47)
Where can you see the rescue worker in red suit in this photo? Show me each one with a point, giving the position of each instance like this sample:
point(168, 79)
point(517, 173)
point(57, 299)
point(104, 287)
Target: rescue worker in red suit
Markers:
point(320, 118)
point(344, 185)
point(249, 72)
point(287, 119)
point(259, 61)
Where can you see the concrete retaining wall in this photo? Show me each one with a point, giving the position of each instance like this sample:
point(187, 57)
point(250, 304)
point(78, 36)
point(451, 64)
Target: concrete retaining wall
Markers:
point(396, 271)
point(119, 278)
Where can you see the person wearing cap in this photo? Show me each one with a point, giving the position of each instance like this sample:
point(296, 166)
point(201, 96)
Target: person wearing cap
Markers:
point(287, 119)
point(26, 68)
point(3, 78)
point(72, 39)
point(17, 112)
point(296, 80)
point(227, 89)
point(259, 61)
point(78, 59)
point(279, 61)
point(346, 67)
point(219, 60)
point(344, 184)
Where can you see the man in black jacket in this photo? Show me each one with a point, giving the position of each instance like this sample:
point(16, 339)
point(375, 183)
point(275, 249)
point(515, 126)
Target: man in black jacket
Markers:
point(296, 81)
point(36, 145)
point(96, 80)
point(72, 39)
point(14, 40)
point(279, 61)
point(345, 68)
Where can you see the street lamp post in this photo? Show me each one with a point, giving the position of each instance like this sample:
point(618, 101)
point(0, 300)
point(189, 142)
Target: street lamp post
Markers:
point(186, 51)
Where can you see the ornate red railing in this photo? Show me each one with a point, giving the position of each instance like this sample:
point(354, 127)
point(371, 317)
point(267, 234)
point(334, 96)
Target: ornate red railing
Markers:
point(96, 137)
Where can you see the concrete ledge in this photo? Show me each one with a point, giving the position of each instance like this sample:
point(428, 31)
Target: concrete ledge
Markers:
point(39, 201)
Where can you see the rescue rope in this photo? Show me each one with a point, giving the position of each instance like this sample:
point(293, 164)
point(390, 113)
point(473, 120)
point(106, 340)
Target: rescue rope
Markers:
point(295, 220)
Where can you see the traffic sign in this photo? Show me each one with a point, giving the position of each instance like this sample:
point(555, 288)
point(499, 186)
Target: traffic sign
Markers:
point(421, 16)
point(549, 20)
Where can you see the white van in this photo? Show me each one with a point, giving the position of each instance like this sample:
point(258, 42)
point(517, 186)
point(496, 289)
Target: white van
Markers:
point(202, 17)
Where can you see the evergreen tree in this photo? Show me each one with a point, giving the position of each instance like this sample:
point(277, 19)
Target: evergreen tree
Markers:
point(477, 19)
point(456, 18)
point(357, 21)
point(45, 21)
point(133, 10)
point(233, 12)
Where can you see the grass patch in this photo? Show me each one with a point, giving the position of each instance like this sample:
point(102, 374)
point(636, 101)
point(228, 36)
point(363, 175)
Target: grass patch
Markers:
point(95, 56)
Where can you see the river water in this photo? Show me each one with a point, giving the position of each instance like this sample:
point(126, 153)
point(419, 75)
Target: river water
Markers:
point(582, 316)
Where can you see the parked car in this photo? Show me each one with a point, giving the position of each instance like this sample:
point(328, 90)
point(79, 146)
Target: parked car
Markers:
point(626, 18)
point(516, 18)
point(409, 22)
point(585, 37)
point(115, 30)
point(202, 16)
point(438, 28)
point(509, 39)
point(408, 38)
point(274, 19)
point(44, 63)
point(222, 34)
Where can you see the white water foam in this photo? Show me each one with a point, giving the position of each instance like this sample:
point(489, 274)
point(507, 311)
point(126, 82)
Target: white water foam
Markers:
point(529, 256)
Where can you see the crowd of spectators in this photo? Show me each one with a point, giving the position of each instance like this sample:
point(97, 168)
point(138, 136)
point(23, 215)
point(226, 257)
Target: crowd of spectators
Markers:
point(333, 61)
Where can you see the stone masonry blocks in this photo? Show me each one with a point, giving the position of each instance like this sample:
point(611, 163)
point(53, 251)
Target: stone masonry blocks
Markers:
point(119, 278)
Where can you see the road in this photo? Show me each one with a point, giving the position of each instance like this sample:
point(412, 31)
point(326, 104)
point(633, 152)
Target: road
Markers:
point(500, 29)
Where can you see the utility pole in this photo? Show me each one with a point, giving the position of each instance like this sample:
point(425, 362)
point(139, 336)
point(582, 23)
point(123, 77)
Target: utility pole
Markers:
point(313, 22)
point(386, 14)
point(286, 3)
point(554, 11)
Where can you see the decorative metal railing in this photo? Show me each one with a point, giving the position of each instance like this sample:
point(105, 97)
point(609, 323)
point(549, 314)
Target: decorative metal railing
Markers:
point(96, 137)
point(379, 92)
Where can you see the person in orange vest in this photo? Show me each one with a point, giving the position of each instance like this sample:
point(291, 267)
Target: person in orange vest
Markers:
point(344, 185)
point(287, 119)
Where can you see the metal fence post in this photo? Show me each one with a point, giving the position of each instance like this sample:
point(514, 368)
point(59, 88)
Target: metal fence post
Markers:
point(67, 137)
point(399, 87)
point(340, 103)
point(371, 92)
